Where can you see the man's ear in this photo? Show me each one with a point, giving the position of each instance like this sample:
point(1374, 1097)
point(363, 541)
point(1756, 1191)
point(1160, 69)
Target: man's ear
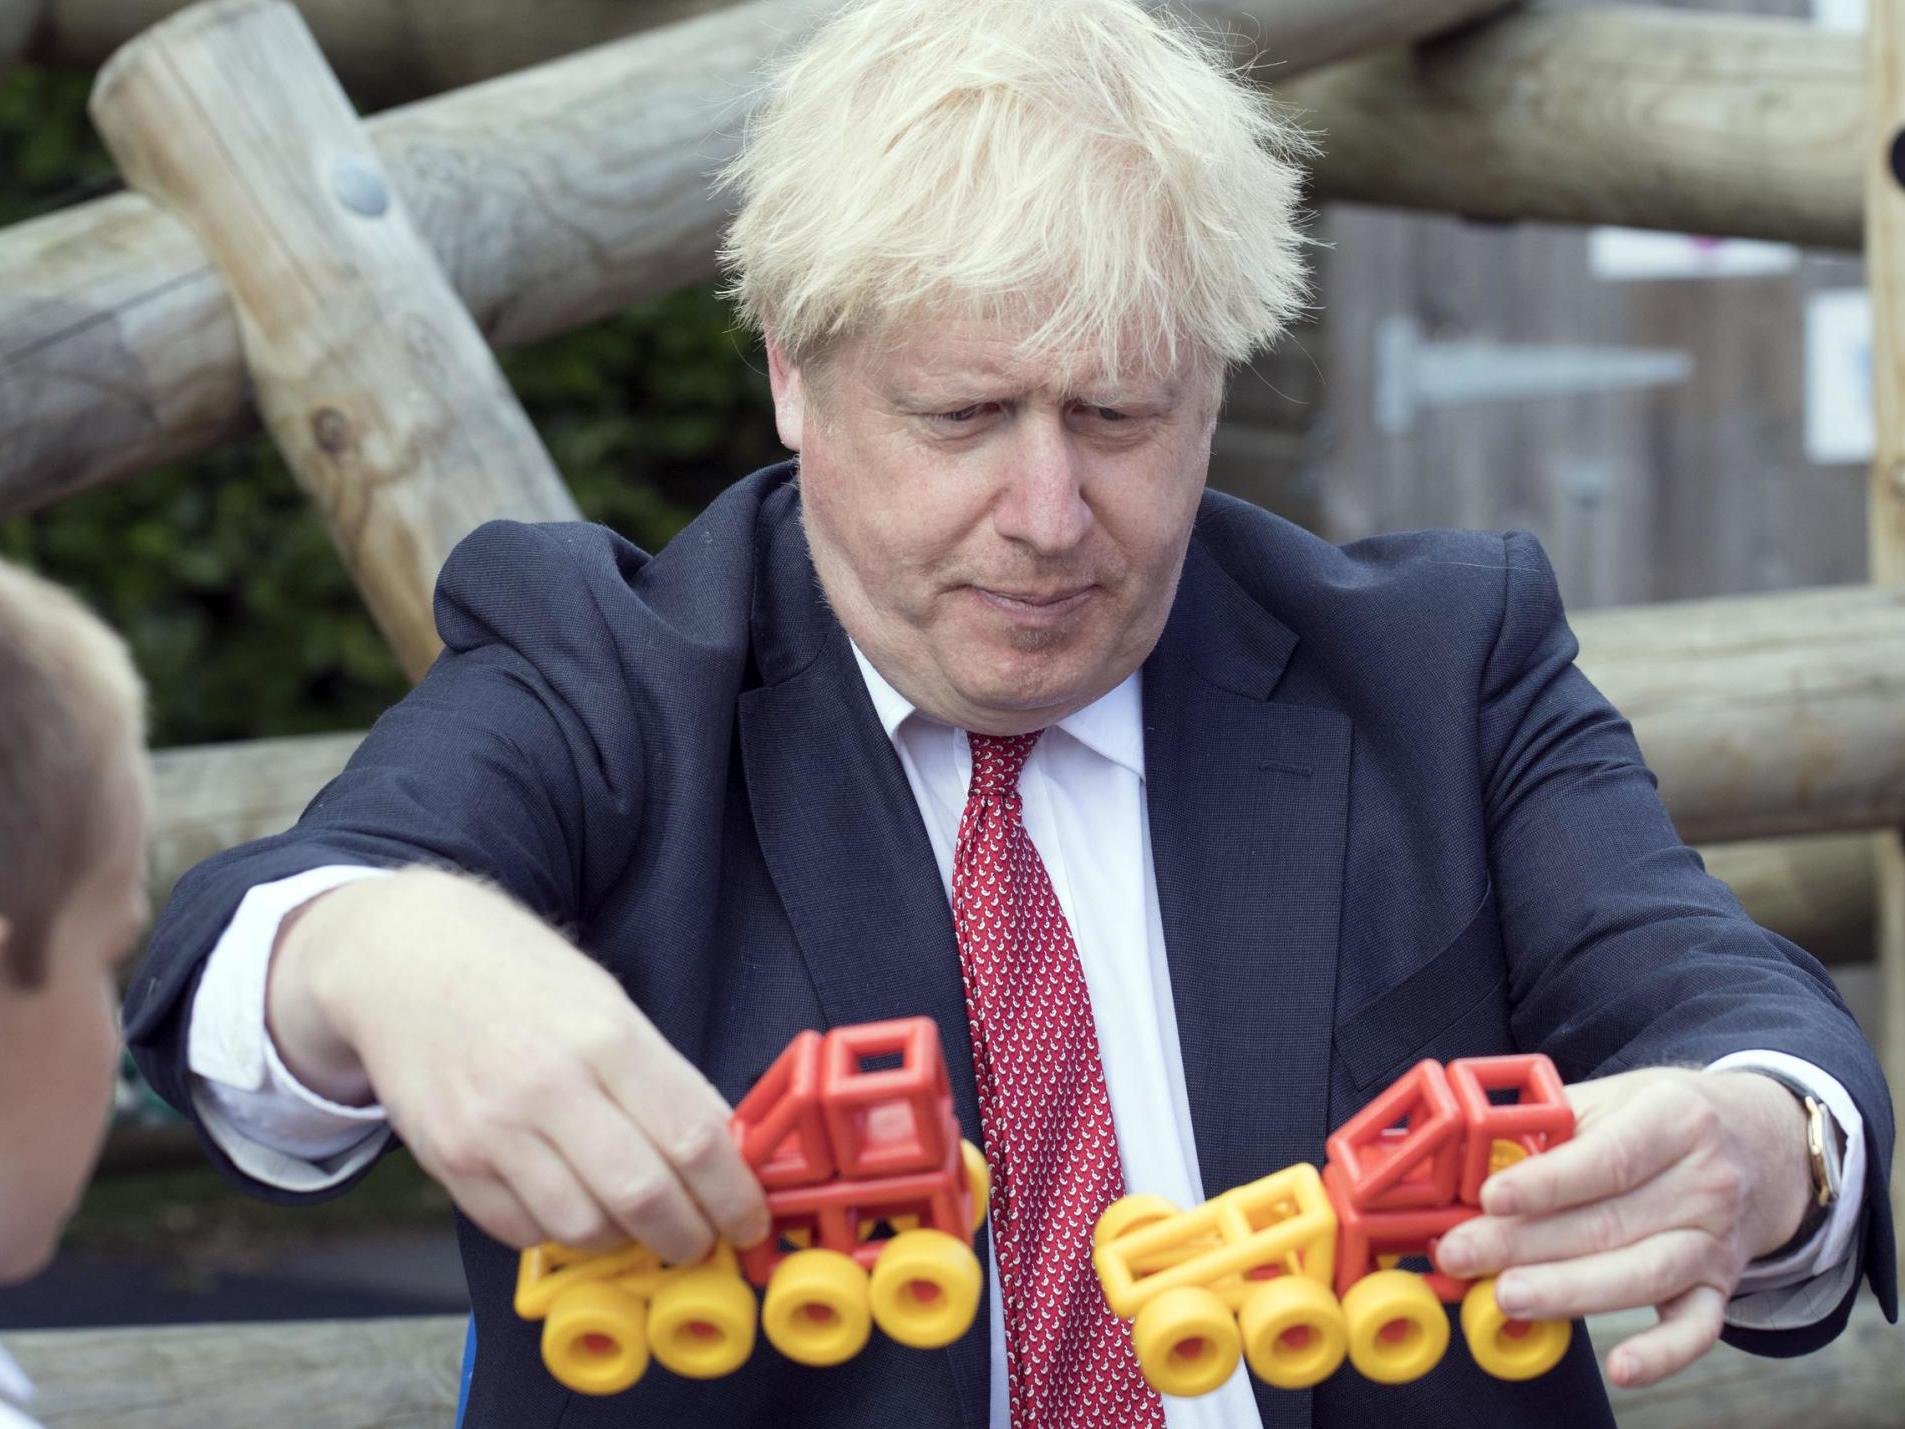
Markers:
point(6, 935)
point(790, 396)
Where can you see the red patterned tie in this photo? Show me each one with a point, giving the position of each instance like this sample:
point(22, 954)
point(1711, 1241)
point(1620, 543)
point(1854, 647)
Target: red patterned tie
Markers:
point(1047, 1120)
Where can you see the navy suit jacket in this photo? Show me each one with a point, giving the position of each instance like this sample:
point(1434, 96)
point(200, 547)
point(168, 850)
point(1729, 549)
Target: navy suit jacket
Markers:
point(1390, 821)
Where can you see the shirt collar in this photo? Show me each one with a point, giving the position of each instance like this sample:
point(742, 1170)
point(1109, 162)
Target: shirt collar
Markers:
point(1111, 726)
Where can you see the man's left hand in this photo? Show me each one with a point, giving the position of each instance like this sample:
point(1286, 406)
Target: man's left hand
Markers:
point(1675, 1179)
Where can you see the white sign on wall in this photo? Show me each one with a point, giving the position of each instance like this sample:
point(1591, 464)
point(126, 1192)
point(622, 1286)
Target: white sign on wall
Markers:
point(1632, 255)
point(1847, 15)
point(1840, 423)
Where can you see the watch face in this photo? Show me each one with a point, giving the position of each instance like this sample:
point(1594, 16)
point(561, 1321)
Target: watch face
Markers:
point(1825, 1169)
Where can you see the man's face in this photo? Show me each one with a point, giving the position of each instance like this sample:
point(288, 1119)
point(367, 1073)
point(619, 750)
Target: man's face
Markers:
point(59, 1042)
point(1004, 550)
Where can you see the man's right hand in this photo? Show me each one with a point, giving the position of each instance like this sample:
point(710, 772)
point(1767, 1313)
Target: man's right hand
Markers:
point(514, 1068)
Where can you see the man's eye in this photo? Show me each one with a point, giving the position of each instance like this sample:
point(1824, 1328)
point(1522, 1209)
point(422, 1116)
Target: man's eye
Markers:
point(964, 414)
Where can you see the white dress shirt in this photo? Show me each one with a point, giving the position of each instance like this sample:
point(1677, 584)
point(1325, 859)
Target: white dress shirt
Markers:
point(1083, 795)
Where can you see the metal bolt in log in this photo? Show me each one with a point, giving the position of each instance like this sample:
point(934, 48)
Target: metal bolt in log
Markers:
point(368, 371)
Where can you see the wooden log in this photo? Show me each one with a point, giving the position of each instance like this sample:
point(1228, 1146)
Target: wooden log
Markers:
point(1780, 714)
point(1884, 176)
point(375, 1374)
point(1278, 38)
point(396, 49)
point(1706, 123)
point(402, 1374)
point(378, 388)
point(1816, 890)
point(401, 49)
point(1763, 715)
point(551, 197)
point(214, 797)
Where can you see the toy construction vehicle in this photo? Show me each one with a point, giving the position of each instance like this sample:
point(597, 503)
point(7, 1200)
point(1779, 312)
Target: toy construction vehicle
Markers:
point(1297, 1270)
point(874, 1199)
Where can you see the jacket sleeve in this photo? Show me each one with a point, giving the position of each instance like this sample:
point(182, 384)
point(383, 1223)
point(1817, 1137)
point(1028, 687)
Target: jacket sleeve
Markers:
point(515, 759)
point(1622, 950)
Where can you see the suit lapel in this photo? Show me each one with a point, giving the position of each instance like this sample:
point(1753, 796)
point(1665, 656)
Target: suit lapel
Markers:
point(1248, 800)
point(845, 845)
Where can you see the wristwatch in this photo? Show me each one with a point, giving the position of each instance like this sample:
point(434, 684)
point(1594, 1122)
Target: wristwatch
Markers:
point(1824, 1154)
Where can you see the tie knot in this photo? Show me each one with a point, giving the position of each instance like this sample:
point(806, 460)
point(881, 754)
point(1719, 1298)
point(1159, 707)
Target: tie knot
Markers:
point(997, 760)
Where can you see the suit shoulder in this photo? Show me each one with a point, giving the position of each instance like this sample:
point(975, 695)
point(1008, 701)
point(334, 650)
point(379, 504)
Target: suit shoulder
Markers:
point(1264, 550)
point(552, 581)
point(1410, 605)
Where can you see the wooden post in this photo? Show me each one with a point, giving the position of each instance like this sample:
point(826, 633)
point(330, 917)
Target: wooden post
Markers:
point(372, 378)
point(1885, 271)
point(1705, 123)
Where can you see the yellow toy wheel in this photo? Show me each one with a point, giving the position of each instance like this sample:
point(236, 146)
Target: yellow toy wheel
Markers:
point(1293, 1331)
point(701, 1324)
point(1397, 1328)
point(925, 1288)
point(1503, 1153)
point(978, 1180)
point(1186, 1342)
point(595, 1339)
point(816, 1311)
point(1127, 1213)
point(1506, 1347)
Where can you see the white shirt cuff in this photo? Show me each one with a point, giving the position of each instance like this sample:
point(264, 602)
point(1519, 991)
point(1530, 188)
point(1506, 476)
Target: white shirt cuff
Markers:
point(273, 1127)
point(1804, 1285)
point(15, 1387)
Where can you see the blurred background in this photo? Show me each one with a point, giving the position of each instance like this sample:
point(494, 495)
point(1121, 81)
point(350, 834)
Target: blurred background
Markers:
point(1674, 416)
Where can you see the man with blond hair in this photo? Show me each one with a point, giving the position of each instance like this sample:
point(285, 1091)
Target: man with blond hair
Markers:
point(73, 808)
point(1273, 818)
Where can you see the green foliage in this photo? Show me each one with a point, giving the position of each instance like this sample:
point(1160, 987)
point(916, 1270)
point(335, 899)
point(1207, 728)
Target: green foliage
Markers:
point(237, 608)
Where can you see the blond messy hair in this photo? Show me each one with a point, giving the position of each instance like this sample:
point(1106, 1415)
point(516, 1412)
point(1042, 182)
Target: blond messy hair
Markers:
point(71, 703)
point(1087, 172)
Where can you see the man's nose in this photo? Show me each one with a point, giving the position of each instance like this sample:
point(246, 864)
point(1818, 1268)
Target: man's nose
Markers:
point(1043, 504)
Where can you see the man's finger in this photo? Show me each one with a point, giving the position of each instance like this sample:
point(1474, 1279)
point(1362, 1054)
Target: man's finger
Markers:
point(1689, 1327)
point(687, 1122)
point(1489, 1244)
point(1650, 1273)
point(540, 1177)
point(1610, 1157)
point(639, 1195)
